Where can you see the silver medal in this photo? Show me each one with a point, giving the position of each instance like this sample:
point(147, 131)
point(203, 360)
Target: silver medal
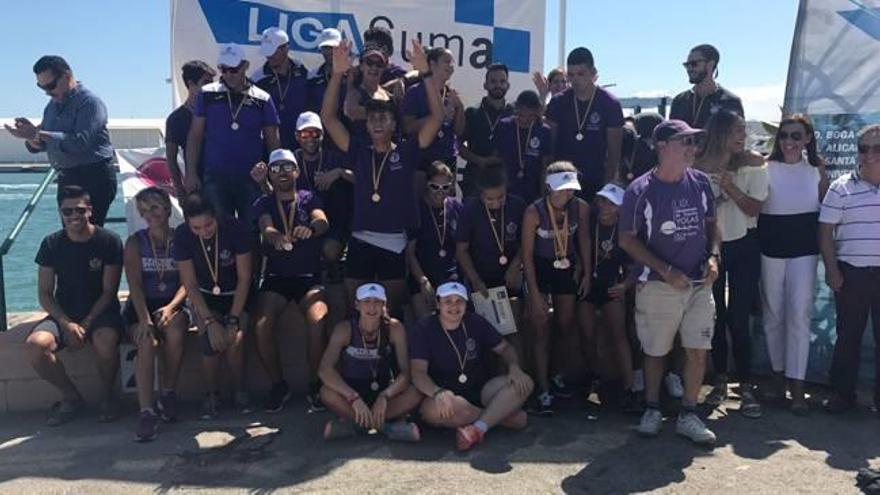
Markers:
point(162, 287)
point(288, 246)
point(374, 386)
point(462, 378)
point(216, 290)
point(234, 126)
point(579, 136)
point(442, 253)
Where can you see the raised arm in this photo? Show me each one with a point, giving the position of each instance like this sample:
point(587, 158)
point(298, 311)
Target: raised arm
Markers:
point(330, 106)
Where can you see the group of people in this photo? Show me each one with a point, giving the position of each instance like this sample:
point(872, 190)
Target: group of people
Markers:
point(629, 249)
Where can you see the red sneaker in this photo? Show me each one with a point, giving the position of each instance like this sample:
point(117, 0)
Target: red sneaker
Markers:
point(516, 421)
point(467, 436)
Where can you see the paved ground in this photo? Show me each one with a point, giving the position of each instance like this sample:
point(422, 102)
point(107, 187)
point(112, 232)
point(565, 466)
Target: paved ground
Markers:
point(570, 453)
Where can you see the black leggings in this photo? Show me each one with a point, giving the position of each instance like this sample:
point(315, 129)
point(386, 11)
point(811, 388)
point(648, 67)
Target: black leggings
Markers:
point(741, 271)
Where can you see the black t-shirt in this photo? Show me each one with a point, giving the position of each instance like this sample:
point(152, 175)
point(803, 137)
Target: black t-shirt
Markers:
point(234, 240)
point(177, 126)
point(79, 269)
point(696, 111)
point(609, 259)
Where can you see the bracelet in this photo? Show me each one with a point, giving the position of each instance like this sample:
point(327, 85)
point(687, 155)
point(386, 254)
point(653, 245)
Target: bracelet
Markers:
point(439, 391)
point(207, 321)
point(354, 398)
point(231, 320)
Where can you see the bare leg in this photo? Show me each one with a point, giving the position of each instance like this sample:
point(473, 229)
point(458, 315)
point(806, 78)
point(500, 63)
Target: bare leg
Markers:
point(654, 367)
point(694, 370)
point(269, 306)
point(145, 370)
point(463, 413)
point(566, 327)
point(105, 341)
point(587, 323)
point(403, 403)
point(175, 337)
point(615, 316)
point(41, 348)
point(396, 296)
point(332, 250)
point(337, 403)
point(502, 400)
point(315, 310)
point(540, 333)
point(235, 360)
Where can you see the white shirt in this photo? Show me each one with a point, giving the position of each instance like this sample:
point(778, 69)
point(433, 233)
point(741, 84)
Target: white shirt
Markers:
point(853, 206)
point(793, 188)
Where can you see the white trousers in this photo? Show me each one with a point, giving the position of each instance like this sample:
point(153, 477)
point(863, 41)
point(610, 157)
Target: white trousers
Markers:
point(788, 286)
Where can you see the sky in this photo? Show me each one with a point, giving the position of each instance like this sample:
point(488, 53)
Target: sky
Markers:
point(121, 49)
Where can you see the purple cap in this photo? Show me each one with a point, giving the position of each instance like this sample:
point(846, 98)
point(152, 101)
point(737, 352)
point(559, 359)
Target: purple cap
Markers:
point(671, 128)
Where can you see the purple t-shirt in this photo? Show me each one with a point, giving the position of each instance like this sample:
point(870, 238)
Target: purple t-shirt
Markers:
point(474, 228)
point(670, 218)
point(397, 210)
point(305, 257)
point(337, 200)
point(534, 146)
point(589, 154)
point(289, 94)
point(438, 269)
point(445, 146)
point(227, 152)
point(428, 341)
point(234, 240)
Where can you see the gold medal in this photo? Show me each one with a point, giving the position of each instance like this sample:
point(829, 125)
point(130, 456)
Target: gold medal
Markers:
point(577, 116)
point(377, 173)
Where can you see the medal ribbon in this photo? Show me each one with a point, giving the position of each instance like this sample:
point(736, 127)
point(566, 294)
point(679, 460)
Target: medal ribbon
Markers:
point(244, 96)
point(560, 239)
point(214, 270)
point(462, 359)
point(519, 146)
point(377, 175)
point(577, 116)
point(441, 233)
point(499, 240)
point(286, 220)
point(160, 267)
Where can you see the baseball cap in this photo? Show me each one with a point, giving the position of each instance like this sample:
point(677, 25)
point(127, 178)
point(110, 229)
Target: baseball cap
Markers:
point(452, 289)
point(613, 193)
point(281, 155)
point(231, 55)
point(329, 37)
point(561, 181)
point(671, 128)
point(272, 38)
point(374, 291)
point(372, 50)
point(307, 120)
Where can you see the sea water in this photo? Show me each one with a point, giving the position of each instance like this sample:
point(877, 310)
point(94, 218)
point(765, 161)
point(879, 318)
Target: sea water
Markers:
point(19, 269)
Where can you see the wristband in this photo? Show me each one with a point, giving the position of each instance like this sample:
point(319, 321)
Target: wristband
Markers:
point(231, 320)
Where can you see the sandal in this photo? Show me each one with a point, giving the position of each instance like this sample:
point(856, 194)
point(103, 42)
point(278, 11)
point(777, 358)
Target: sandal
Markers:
point(749, 406)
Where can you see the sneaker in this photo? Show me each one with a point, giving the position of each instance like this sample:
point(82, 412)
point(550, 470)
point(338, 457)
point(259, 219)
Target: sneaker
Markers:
point(336, 429)
point(545, 404)
point(167, 407)
point(466, 437)
point(211, 406)
point(110, 411)
point(673, 385)
point(559, 387)
point(718, 394)
point(651, 423)
point(313, 398)
point(278, 397)
point(402, 431)
point(692, 427)
point(243, 403)
point(838, 404)
point(147, 426)
point(63, 411)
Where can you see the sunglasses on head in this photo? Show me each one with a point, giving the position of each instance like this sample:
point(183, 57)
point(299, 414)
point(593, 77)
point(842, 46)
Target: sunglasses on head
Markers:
point(869, 148)
point(278, 167)
point(692, 64)
point(229, 70)
point(309, 133)
point(52, 85)
point(79, 210)
point(375, 63)
point(794, 136)
point(439, 187)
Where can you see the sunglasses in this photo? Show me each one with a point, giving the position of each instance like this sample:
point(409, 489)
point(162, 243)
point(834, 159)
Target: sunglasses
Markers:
point(278, 167)
point(689, 140)
point(309, 133)
point(229, 70)
point(692, 64)
point(794, 136)
point(79, 210)
point(377, 64)
point(439, 187)
point(872, 148)
point(52, 85)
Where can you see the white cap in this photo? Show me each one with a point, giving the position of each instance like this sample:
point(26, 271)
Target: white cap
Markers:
point(329, 37)
point(613, 193)
point(452, 289)
point(272, 38)
point(231, 55)
point(308, 120)
point(373, 291)
point(281, 155)
point(561, 181)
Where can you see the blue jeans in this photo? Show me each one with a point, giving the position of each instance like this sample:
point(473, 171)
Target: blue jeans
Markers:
point(233, 197)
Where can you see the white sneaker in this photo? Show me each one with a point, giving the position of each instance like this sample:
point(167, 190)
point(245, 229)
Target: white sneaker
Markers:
point(638, 381)
point(652, 421)
point(674, 386)
point(692, 427)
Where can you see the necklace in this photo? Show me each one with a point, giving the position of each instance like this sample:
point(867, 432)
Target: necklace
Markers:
point(696, 109)
point(213, 270)
point(499, 239)
point(441, 232)
point(160, 267)
point(519, 150)
point(310, 181)
point(462, 358)
point(282, 96)
point(287, 221)
point(492, 123)
point(577, 116)
point(607, 245)
point(237, 111)
point(560, 239)
point(374, 363)
point(377, 175)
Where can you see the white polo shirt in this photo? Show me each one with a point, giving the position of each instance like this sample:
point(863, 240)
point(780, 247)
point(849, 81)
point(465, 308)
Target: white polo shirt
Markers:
point(853, 206)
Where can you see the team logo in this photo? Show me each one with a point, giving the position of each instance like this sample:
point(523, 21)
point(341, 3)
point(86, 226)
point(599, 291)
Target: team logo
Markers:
point(668, 227)
point(471, 344)
point(226, 258)
point(595, 118)
point(511, 228)
point(394, 157)
point(534, 143)
point(95, 264)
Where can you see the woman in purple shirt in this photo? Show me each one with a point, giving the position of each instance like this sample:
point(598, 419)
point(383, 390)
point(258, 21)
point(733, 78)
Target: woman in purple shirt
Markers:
point(555, 248)
point(365, 371)
point(155, 313)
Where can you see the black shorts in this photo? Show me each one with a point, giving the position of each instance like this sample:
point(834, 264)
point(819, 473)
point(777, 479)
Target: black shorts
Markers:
point(291, 288)
point(109, 319)
point(473, 394)
point(498, 281)
point(362, 387)
point(589, 188)
point(554, 281)
point(598, 295)
point(365, 261)
point(221, 305)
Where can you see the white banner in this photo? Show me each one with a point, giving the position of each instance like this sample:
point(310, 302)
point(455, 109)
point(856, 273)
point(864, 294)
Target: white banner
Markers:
point(141, 168)
point(477, 32)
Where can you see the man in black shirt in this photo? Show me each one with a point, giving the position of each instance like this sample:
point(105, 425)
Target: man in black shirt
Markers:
point(195, 75)
point(79, 272)
point(696, 105)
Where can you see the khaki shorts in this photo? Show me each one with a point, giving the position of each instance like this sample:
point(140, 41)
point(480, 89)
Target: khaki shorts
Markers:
point(662, 311)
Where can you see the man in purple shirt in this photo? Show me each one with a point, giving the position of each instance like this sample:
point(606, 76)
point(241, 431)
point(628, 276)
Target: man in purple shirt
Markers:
point(588, 124)
point(234, 125)
point(523, 142)
point(667, 225)
point(285, 79)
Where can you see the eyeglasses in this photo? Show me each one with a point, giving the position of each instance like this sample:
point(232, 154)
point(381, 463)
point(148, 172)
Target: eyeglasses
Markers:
point(52, 85)
point(309, 133)
point(79, 210)
point(439, 187)
point(872, 148)
point(278, 167)
point(794, 136)
point(692, 64)
point(229, 70)
point(371, 62)
point(691, 140)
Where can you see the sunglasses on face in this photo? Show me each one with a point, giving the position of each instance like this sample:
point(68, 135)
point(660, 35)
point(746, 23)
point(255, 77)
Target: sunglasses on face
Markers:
point(689, 140)
point(278, 167)
point(439, 187)
point(309, 133)
point(376, 64)
point(869, 148)
point(794, 136)
point(230, 70)
point(52, 85)
point(692, 64)
point(79, 210)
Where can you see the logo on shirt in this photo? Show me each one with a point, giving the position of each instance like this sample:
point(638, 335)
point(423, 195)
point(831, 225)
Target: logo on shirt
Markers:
point(714, 109)
point(96, 265)
point(226, 258)
point(394, 157)
point(595, 118)
point(685, 221)
point(534, 143)
point(470, 349)
point(511, 230)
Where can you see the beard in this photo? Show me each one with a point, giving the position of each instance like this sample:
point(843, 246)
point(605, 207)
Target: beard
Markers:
point(698, 77)
point(497, 93)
